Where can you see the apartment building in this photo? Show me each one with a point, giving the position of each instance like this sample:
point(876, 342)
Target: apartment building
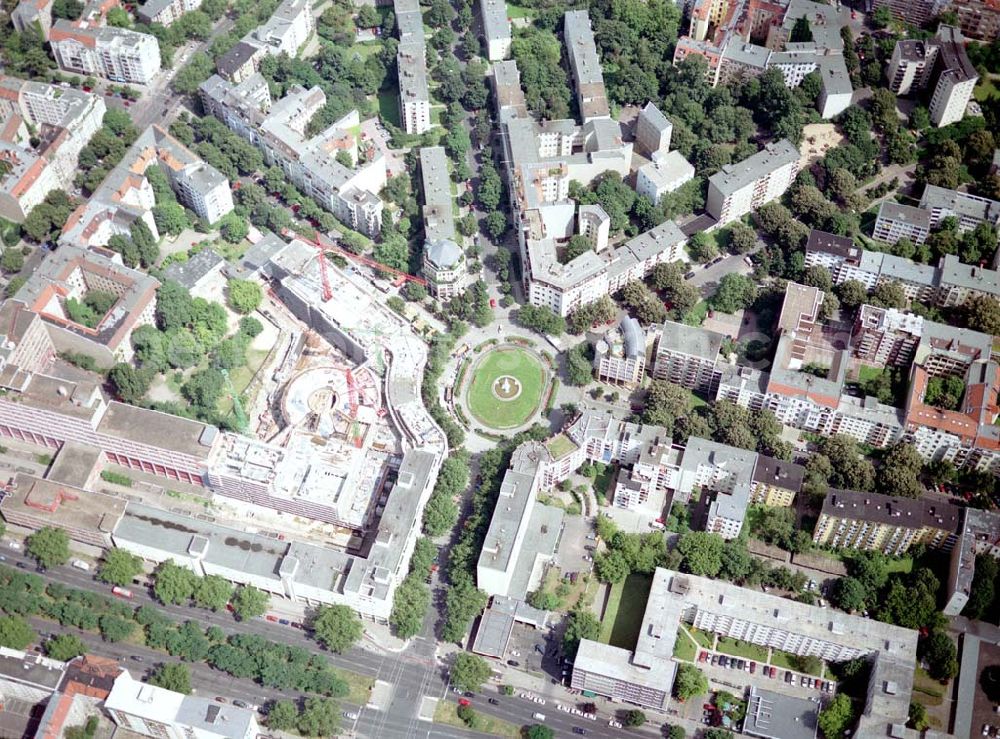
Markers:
point(979, 535)
point(968, 209)
point(725, 473)
point(652, 131)
point(585, 64)
point(285, 32)
point(950, 283)
point(620, 355)
point(911, 66)
point(739, 189)
point(869, 521)
point(496, 29)
point(978, 19)
point(278, 130)
point(33, 14)
point(940, 62)
point(152, 711)
point(542, 159)
point(126, 196)
point(886, 337)
point(775, 482)
point(644, 675)
point(166, 12)
point(895, 222)
point(664, 174)
point(117, 54)
point(522, 533)
point(687, 355)
point(71, 272)
point(411, 61)
point(914, 12)
point(25, 179)
point(444, 264)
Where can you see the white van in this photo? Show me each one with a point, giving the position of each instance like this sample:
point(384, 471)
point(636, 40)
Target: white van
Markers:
point(81, 565)
point(538, 716)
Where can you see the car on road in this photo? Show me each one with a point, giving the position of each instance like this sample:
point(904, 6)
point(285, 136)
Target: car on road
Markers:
point(350, 715)
point(615, 724)
point(538, 716)
point(578, 730)
point(136, 658)
point(220, 699)
point(689, 275)
point(493, 302)
point(494, 702)
point(464, 702)
point(469, 694)
point(513, 663)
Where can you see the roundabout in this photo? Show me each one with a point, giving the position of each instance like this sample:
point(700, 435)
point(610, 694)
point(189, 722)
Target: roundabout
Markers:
point(506, 387)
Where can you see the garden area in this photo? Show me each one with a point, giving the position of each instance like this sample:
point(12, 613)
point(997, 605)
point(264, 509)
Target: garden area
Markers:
point(625, 608)
point(506, 388)
point(737, 648)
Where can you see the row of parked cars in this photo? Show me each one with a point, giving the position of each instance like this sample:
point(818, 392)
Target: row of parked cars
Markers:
point(769, 671)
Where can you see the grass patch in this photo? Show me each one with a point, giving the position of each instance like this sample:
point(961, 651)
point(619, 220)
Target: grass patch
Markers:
point(366, 49)
point(485, 390)
point(447, 713)
point(703, 638)
point(516, 11)
point(360, 686)
point(867, 372)
point(611, 610)
point(903, 565)
point(684, 646)
point(697, 315)
point(926, 689)
point(626, 618)
point(602, 483)
point(388, 106)
point(985, 89)
point(787, 661)
point(559, 446)
point(728, 645)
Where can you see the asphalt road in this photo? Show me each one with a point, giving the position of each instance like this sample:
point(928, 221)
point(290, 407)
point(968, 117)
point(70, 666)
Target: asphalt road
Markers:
point(412, 674)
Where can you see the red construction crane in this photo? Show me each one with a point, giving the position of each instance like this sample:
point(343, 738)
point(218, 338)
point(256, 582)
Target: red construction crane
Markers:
point(352, 393)
point(327, 292)
point(330, 246)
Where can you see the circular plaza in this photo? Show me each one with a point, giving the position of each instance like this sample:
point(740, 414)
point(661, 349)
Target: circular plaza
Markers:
point(505, 387)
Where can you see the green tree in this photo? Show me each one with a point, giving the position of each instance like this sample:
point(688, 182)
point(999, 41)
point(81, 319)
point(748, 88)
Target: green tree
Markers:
point(676, 732)
point(12, 260)
point(64, 647)
point(213, 591)
point(337, 627)
point(204, 387)
point(849, 594)
point(837, 717)
point(49, 547)
point(701, 553)
point(635, 718)
point(234, 228)
point(611, 566)
point(249, 602)
point(918, 717)
point(319, 718)
point(282, 716)
point(537, 731)
point(409, 606)
point(173, 676)
point(469, 671)
point(541, 319)
point(368, 17)
point(173, 584)
point(170, 218)
point(119, 18)
point(579, 370)
point(899, 470)
point(15, 633)
point(940, 654)
point(129, 384)
point(244, 295)
point(735, 291)
point(119, 567)
point(982, 313)
point(580, 624)
point(689, 682)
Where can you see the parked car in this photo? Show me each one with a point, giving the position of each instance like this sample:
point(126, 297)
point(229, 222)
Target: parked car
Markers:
point(513, 663)
point(578, 730)
point(494, 702)
point(464, 702)
point(350, 715)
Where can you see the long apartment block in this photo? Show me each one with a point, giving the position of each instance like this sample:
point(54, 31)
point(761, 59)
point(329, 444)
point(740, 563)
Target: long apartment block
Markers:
point(117, 54)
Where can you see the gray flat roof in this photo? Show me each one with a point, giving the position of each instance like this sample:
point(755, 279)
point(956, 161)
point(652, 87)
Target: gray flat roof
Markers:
point(496, 25)
point(207, 715)
point(191, 272)
point(776, 716)
point(734, 177)
point(691, 340)
point(157, 429)
point(540, 537)
point(74, 464)
point(893, 211)
point(493, 633)
point(223, 546)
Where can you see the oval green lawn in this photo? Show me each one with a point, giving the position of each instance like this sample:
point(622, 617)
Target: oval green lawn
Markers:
point(488, 409)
